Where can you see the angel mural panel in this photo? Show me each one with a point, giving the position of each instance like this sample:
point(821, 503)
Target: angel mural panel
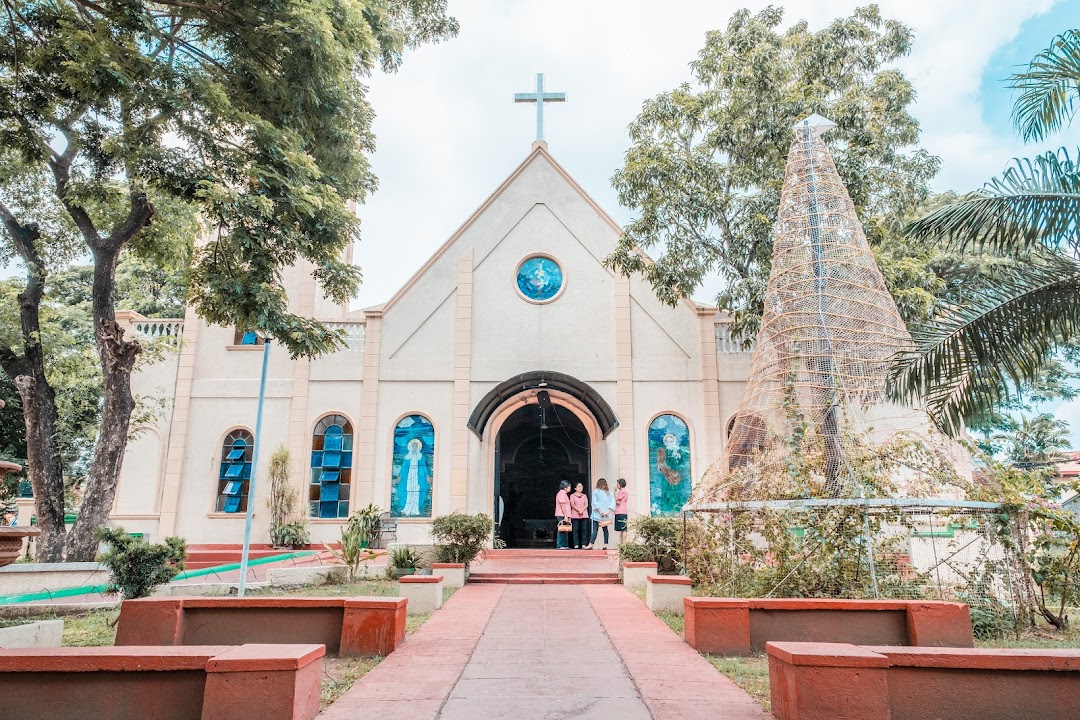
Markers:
point(411, 478)
point(669, 465)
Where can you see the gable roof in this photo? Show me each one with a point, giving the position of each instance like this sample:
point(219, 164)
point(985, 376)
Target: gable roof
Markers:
point(539, 149)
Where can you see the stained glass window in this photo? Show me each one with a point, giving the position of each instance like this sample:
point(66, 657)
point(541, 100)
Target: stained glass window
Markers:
point(539, 278)
point(234, 472)
point(669, 465)
point(414, 467)
point(331, 468)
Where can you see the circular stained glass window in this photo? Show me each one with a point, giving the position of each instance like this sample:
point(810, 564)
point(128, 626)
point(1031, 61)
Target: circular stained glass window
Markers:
point(539, 278)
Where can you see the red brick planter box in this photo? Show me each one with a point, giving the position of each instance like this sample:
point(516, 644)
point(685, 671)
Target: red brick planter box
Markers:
point(346, 626)
point(742, 626)
point(837, 681)
point(267, 682)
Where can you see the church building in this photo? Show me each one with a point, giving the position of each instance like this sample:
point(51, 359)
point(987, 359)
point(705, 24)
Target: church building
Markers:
point(511, 360)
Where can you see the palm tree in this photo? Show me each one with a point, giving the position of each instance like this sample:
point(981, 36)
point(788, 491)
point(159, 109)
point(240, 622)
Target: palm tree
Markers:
point(972, 357)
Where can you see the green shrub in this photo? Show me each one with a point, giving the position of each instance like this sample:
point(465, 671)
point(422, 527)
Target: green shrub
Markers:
point(293, 534)
point(354, 538)
point(138, 567)
point(459, 538)
point(404, 557)
point(659, 541)
point(634, 552)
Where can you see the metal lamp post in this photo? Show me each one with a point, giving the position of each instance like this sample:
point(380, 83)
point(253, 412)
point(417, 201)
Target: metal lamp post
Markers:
point(254, 471)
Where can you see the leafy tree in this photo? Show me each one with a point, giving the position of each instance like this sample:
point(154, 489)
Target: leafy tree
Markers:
point(1036, 442)
point(975, 356)
point(706, 164)
point(115, 114)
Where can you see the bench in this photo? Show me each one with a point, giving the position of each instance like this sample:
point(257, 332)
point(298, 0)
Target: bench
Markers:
point(346, 626)
point(838, 681)
point(726, 626)
point(268, 682)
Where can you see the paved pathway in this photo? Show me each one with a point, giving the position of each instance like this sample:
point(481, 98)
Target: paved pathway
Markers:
point(544, 652)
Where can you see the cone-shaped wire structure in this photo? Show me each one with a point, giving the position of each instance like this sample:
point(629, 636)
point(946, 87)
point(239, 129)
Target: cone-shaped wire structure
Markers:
point(814, 421)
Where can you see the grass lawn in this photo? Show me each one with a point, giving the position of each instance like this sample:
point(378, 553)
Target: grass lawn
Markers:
point(749, 673)
point(1041, 637)
point(97, 628)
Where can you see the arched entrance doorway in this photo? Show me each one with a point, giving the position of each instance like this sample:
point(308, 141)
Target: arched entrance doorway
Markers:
point(538, 445)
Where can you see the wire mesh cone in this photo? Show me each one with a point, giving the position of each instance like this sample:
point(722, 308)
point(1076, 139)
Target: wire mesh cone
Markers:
point(814, 421)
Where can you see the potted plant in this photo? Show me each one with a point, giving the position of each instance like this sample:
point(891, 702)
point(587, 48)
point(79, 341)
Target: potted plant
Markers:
point(367, 521)
point(403, 560)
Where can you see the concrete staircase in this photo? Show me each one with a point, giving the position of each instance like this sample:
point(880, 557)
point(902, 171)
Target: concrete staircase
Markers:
point(547, 567)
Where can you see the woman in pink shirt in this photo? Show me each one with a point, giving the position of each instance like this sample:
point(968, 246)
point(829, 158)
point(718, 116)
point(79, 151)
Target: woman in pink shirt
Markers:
point(562, 512)
point(621, 496)
point(579, 515)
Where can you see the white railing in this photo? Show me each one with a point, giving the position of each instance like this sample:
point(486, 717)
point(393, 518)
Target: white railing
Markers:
point(727, 344)
point(355, 334)
point(164, 330)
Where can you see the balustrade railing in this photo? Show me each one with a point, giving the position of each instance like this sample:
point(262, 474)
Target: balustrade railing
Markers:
point(355, 334)
point(165, 330)
point(725, 343)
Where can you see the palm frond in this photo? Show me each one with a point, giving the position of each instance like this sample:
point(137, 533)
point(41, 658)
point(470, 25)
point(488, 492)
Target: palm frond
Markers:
point(972, 358)
point(1050, 89)
point(1035, 201)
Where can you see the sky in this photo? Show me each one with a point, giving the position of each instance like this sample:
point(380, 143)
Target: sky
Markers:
point(449, 133)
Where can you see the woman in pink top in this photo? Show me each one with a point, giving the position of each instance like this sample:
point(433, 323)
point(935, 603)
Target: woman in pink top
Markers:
point(621, 497)
point(579, 515)
point(562, 512)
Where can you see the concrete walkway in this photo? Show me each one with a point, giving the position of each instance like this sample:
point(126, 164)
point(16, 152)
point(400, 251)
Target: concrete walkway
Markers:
point(544, 652)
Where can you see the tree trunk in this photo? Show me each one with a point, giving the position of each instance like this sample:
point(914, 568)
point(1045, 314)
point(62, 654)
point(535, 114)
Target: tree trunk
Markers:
point(117, 357)
point(27, 371)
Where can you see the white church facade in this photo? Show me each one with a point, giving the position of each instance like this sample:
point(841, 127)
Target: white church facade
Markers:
point(511, 360)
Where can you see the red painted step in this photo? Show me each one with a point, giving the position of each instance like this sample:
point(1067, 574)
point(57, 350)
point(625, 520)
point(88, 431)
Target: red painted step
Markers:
point(544, 579)
point(525, 554)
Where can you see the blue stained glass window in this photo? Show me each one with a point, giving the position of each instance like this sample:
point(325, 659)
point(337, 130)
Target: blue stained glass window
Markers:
point(331, 467)
point(333, 438)
point(669, 465)
point(234, 474)
point(539, 278)
point(413, 467)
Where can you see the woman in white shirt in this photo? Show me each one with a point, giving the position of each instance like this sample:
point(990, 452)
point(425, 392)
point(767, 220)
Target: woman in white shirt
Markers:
point(603, 511)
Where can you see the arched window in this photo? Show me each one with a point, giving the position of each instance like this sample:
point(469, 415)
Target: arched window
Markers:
point(669, 465)
point(235, 472)
point(331, 468)
point(414, 464)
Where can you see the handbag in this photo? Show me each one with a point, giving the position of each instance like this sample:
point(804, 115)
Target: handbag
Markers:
point(565, 526)
point(604, 523)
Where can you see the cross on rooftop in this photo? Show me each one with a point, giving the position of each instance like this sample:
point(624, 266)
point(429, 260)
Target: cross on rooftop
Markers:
point(539, 97)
